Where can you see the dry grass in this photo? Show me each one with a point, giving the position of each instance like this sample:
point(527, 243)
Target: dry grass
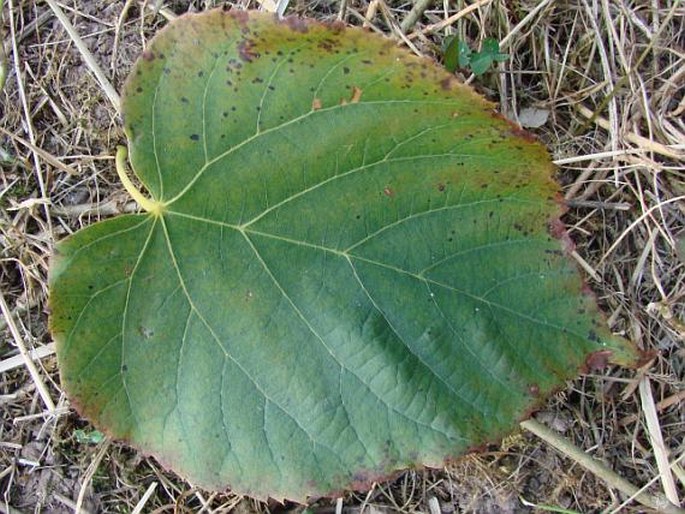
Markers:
point(610, 75)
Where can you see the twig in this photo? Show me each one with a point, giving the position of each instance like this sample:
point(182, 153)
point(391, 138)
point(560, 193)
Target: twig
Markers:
point(88, 476)
point(107, 208)
point(28, 361)
point(87, 56)
point(410, 19)
point(43, 154)
point(657, 440)
point(156, 9)
point(18, 360)
point(532, 14)
point(27, 118)
point(639, 220)
point(3, 57)
point(117, 33)
point(448, 21)
point(341, 10)
point(586, 266)
point(370, 13)
point(141, 504)
point(642, 142)
point(598, 468)
point(601, 155)
point(590, 204)
point(626, 77)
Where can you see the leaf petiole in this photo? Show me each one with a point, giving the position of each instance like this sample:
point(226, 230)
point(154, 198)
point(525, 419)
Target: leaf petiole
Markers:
point(151, 206)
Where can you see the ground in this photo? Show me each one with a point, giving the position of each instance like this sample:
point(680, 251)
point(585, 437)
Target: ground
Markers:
point(600, 82)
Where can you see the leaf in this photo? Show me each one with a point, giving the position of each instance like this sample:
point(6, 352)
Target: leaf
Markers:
point(464, 54)
point(490, 46)
point(351, 265)
point(533, 117)
point(451, 53)
point(480, 62)
point(489, 53)
point(456, 53)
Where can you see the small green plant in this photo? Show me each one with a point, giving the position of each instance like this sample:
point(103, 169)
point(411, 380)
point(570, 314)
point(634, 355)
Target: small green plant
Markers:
point(458, 55)
point(90, 437)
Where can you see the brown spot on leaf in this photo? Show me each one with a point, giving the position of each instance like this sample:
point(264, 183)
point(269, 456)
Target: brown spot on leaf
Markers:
point(297, 24)
point(389, 192)
point(239, 15)
point(246, 51)
point(448, 82)
point(558, 231)
point(356, 95)
point(148, 56)
point(596, 361)
point(316, 104)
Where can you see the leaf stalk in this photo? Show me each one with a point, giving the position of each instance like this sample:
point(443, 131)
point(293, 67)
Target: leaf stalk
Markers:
point(151, 206)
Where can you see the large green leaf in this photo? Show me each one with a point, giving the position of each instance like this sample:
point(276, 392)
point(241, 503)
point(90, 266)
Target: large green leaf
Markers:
point(348, 267)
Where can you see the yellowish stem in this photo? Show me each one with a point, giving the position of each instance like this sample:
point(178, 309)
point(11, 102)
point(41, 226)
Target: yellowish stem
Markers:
point(150, 206)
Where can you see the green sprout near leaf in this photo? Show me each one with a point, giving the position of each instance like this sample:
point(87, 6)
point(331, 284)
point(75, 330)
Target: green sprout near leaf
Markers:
point(88, 437)
point(457, 54)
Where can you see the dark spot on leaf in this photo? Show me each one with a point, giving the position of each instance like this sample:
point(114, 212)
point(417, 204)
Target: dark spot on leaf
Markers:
point(139, 89)
point(441, 187)
point(184, 100)
point(194, 137)
point(346, 70)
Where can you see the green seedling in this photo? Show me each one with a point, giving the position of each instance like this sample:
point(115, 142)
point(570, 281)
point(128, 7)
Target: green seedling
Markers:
point(91, 437)
point(457, 54)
